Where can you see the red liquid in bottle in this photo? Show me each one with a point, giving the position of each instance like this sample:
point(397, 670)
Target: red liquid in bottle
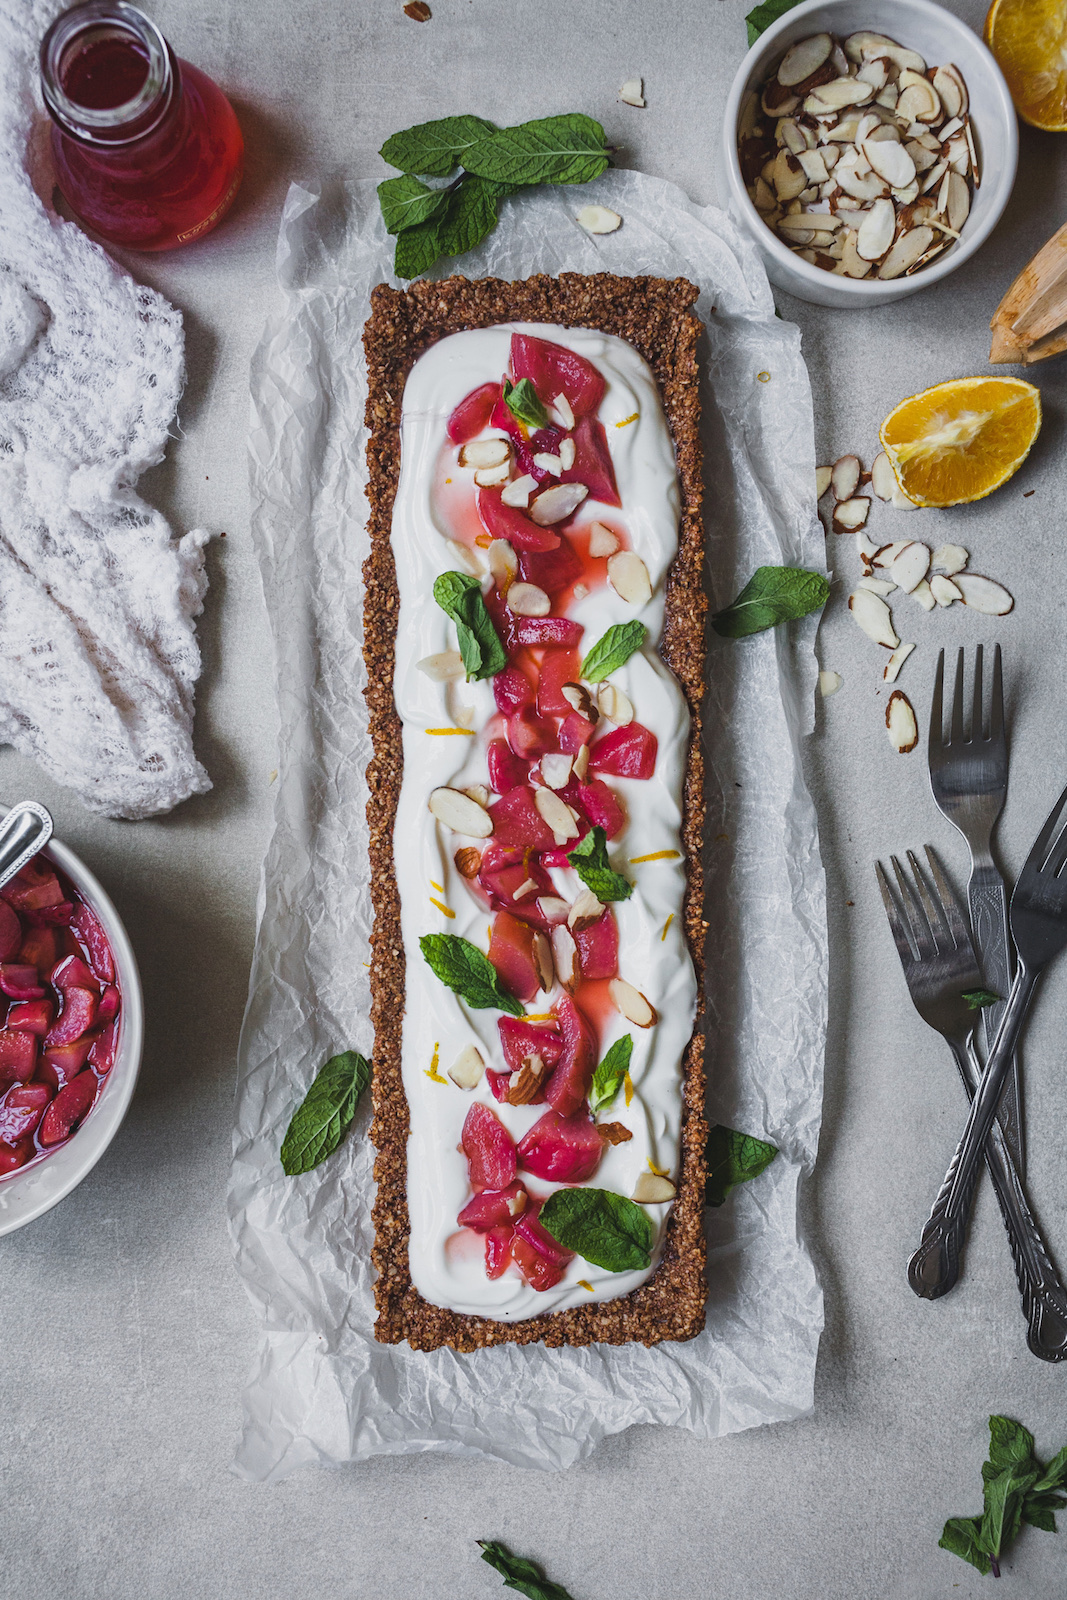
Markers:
point(148, 151)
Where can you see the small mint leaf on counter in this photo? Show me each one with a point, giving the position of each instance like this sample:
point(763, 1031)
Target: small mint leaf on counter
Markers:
point(471, 215)
point(609, 1075)
point(405, 201)
point(520, 1574)
point(961, 1538)
point(977, 998)
point(760, 18)
point(522, 401)
point(566, 149)
point(612, 650)
point(589, 858)
point(460, 597)
point(325, 1115)
point(734, 1158)
point(417, 249)
point(772, 595)
point(470, 974)
point(434, 149)
point(602, 1227)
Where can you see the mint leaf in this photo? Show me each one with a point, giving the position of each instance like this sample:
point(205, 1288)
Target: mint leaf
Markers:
point(434, 149)
point(1010, 1445)
point(1004, 1495)
point(325, 1114)
point(461, 598)
point(522, 401)
point(405, 201)
point(520, 1574)
point(1054, 1475)
point(977, 998)
point(612, 650)
point(1038, 1510)
point(760, 18)
point(960, 1538)
point(589, 858)
point(417, 249)
point(462, 966)
point(567, 149)
point(471, 215)
point(772, 595)
point(607, 1079)
point(602, 1227)
point(734, 1158)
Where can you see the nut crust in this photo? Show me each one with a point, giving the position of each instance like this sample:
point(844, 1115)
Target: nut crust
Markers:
point(654, 315)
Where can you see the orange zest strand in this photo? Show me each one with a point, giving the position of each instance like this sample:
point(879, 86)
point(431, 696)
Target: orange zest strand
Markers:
point(626, 421)
point(628, 1087)
point(657, 855)
point(442, 907)
point(666, 925)
point(468, 731)
point(661, 1172)
point(438, 886)
point(583, 1283)
point(435, 1062)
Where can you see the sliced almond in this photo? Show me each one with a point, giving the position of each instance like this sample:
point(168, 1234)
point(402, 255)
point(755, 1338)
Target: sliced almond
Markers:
point(562, 407)
point(477, 791)
point(886, 554)
point(829, 683)
point(542, 959)
point(876, 230)
point(632, 92)
point(545, 461)
point(910, 565)
point(526, 887)
point(552, 908)
point(484, 453)
point(652, 1190)
point(944, 590)
point(883, 480)
point(467, 1069)
point(468, 861)
point(578, 697)
point(901, 502)
point(982, 594)
point(581, 763)
point(875, 72)
point(851, 514)
point(460, 813)
point(906, 252)
point(804, 58)
point(614, 705)
point(952, 90)
point(519, 490)
point(922, 158)
point(845, 476)
point(526, 1084)
point(924, 595)
point(557, 814)
point(959, 201)
point(565, 956)
point(890, 161)
point(778, 101)
point(852, 263)
point(919, 102)
point(556, 770)
point(527, 600)
point(490, 477)
point(823, 477)
point(814, 164)
point(838, 94)
point(874, 617)
point(443, 667)
point(602, 542)
point(900, 723)
point(586, 910)
point(598, 219)
point(869, 187)
point(557, 503)
point(866, 548)
point(880, 586)
point(503, 564)
point(568, 450)
point(788, 178)
point(466, 559)
point(896, 661)
point(632, 1004)
point(629, 577)
point(949, 559)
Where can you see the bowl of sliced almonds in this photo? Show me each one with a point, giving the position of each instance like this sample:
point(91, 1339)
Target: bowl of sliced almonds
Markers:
point(870, 149)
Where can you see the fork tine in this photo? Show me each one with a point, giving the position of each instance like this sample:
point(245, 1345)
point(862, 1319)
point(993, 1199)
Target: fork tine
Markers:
point(956, 730)
point(976, 702)
point(1059, 854)
point(936, 735)
point(996, 703)
point(950, 906)
point(920, 932)
point(1036, 859)
point(897, 921)
point(934, 913)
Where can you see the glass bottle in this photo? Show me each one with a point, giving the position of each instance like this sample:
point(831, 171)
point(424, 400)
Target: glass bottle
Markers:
point(147, 149)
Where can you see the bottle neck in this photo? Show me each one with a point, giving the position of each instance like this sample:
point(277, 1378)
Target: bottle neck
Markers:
point(108, 76)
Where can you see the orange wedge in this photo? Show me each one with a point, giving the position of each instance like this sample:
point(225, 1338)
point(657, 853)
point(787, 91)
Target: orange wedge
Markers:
point(961, 440)
point(1029, 40)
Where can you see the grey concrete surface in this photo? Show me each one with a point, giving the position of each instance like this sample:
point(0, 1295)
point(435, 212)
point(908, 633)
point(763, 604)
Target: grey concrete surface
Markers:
point(124, 1333)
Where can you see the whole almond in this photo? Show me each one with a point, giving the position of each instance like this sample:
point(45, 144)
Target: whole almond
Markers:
point(468, 861)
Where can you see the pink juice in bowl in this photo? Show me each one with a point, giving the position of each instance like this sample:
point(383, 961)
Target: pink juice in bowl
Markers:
point(60, 1010)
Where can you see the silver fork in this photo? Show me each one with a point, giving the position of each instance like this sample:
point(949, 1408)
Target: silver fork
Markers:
point(1038, 917)
point(969, 779)
point(940, 967)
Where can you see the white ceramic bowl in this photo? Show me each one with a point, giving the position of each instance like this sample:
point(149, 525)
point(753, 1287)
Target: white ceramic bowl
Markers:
point(29, 1191)
point(939, 37)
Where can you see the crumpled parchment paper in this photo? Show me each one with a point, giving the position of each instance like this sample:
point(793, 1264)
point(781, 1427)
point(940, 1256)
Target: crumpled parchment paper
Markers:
point(322, 1390)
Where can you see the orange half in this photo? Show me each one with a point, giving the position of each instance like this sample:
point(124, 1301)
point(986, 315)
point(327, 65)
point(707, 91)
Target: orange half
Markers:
point(961, 440)
point(1029, 40)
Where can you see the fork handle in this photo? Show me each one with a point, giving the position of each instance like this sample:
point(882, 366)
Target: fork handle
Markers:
point(935, 1266)
point(987, 900)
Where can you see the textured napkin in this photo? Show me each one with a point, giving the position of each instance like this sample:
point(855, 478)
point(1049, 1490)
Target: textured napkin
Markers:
point(322, 1389)
point(98, 652)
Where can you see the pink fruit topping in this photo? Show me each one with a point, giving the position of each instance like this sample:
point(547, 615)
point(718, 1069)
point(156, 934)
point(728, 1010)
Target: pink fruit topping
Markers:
point(628, 752)
point(489, 1148)
point(473, 413)
point(86, 926)
point(562, 1149)
point(592, 463)
point(20, 982)
point(529, 735)
point(598, 948)
point(569, 1084)
point(32, 1016)
point(555, 632)
point(512, 691)
point(10, 932)
point(557, 668)
point(493, 1208)
point(68, 1108)
point(518, 823)
point(553, 571)
point(511, 523)
point(21, 1109)
point(76, 1018)
point(553, 370)
point(64, 1061)
point(519, 1039)
point(506, 769)
point(511, 953)
point(18, 1055)
point(497, 1252)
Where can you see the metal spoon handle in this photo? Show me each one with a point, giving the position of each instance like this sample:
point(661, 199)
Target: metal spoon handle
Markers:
point(26, 829)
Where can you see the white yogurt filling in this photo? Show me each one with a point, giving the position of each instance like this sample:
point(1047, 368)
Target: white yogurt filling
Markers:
point(447, 1263)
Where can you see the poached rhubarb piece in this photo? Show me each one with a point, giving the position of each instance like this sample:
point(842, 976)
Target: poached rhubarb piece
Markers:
point(59, 1014)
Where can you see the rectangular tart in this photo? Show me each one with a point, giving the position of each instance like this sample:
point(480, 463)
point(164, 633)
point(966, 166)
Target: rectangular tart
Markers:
point(654, 317)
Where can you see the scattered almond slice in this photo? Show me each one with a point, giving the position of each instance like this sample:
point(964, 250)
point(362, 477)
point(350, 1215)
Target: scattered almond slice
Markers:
point(924, 595)
point(586, 910)
point(557, 503)
point(866, 548)
point(876, 230)
point(542, 958)
point(524, 1087)
point(900, 723)
point(598, 219)
point(896, 661)
point(613, 704)
point(874, 617)
point(552, 908)
point(823, 476)
point(909, 566)
point(565, 956)
point(478, 792)
point(632, 92)
point(465, 558)
point(886, 554)
point(829, 683)
point(851, 514)
point(485, 453)
point(519, 490)
point(628, 576)
point(526, 887)
point(527, 600)
point(562, 407)
point(880, 586)
point(460, 813)
point(557, 814)
point(581, 763)
point(503, 564)
point(652, 1190)
point(804, 58)
point(903, 502)
point(845, 477)
point(579, 699)
point(556, 770)
point(883, 481)
point(944, 590)
point(443, 667)
point(490, 477)
point(547, 462)
point(568, 451)
point(467, 1069)
point(632, 1004)
point(602, 542)
point(982, 594)
point(949, 559)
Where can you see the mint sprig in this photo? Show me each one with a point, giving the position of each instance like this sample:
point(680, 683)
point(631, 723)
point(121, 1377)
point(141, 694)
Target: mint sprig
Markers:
point(520, 1574)
point(461, 598)
point(977, 998)
point(1016, 1489)
point(734, 1158)
point(760, 17)
point(325, 1114)
point(589, 858)
point(463, 967)
point(522, 401)
point(772, 595)
point(600, 1226)
point(492, 163)
point(609, 1075)
point(612, 650)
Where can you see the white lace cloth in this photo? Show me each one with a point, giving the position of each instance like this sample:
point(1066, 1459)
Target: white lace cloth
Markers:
point(98, 651)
